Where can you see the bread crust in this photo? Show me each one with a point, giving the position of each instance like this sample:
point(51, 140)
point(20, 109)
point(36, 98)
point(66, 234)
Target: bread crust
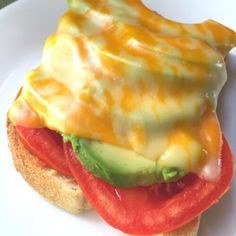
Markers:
point(62, 190)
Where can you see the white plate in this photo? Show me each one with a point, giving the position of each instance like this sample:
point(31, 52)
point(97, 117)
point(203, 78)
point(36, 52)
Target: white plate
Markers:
point(24, 27)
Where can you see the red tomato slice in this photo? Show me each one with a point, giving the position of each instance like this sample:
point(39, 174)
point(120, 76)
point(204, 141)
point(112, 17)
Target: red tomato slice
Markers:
point(155, 209)
point(47, 145)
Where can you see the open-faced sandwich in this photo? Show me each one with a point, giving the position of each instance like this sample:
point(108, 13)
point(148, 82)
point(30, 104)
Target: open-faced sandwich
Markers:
point(120, 115)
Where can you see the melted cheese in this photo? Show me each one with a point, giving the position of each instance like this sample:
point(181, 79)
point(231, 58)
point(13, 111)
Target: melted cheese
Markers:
point(117, 72)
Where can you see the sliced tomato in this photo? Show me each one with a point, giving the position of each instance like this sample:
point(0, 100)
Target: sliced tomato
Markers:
point(47, 145)
point(155, 209)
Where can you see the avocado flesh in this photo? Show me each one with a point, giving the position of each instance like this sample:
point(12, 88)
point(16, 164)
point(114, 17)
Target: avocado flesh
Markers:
point(119, 166)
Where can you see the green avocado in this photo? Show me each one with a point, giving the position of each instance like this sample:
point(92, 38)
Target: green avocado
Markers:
point(119, 166)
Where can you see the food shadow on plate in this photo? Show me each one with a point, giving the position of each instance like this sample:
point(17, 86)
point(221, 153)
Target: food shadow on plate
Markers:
point(225, 99)
point(218, 220)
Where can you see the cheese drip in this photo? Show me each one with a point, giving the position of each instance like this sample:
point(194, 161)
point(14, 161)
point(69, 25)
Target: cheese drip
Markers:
point(120, 73)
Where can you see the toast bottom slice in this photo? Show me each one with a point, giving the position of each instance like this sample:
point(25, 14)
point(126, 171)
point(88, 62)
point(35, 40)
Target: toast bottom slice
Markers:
point(62, 190)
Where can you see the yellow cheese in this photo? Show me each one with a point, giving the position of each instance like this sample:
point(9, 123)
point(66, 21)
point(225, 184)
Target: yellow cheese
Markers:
point(120, 73)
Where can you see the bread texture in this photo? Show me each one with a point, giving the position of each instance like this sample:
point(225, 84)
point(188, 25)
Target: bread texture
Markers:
point(62, 190)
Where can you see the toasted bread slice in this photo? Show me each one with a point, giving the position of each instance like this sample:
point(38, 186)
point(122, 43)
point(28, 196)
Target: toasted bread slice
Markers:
point(57, 188)
point(62, 190)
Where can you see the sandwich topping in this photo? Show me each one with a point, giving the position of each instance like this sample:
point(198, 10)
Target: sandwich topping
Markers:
point(121, 75)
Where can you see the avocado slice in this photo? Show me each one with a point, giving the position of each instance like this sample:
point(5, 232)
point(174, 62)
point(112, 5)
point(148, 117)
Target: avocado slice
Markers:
point(119, 166)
